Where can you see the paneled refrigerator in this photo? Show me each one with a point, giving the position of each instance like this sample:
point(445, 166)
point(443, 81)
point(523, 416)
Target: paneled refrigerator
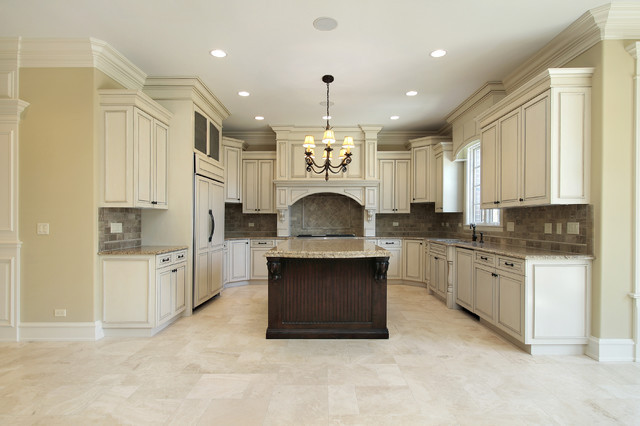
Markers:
point(208, 238)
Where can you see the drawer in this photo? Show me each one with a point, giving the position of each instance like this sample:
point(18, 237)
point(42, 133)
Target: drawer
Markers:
point(510, 264)
point(386, 243)
point(179, 256)
point(164, 259)
point(263, 243)
point(484, 258)
point(435, 248)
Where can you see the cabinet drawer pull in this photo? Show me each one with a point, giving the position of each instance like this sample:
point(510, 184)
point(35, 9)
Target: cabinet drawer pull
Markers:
point(174, 270)
point(262, 243)
point(181, 256)
point(165, 259)
point(436, 257)
point(484, 258)
point(154, 202)
point(509, 264)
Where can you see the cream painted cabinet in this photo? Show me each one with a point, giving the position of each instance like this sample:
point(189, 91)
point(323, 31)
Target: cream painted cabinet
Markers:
point(449, 180)
point(422, 174)
point(238, 260)
point(142, 294)
point(394, 185)
point(438, 269)
point(395, 260)
point(134, 147)
point(259, 248)
point(464, 278)
point(412, 254)
point(258, 189)
point(232, 159)
point(536, 142)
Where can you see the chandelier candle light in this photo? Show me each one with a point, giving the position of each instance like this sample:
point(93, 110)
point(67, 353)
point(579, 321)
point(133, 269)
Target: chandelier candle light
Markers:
point(327, 139)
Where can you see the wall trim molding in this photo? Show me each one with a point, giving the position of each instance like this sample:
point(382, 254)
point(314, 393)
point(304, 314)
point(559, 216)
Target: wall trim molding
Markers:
point(61, 331)
point(80, 53)
point(611, 350)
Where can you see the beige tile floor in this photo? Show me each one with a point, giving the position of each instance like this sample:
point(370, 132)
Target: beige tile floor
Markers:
point(438, 367)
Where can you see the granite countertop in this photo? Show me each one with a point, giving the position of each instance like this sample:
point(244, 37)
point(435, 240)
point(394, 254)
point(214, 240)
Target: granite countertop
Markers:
point(327, 248)
point(142, 250)
point(519, 252)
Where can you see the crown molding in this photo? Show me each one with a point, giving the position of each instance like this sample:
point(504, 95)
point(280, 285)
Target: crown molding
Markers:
point(255, 138)
point(11, 110)
point(187, 88)
point(613, 21)
point(80, 53)
point(489, 88)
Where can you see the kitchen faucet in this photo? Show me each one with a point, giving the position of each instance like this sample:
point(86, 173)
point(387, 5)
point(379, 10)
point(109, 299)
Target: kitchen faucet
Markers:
point(474, 237)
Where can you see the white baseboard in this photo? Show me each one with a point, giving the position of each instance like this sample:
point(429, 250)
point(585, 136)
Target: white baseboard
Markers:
point(61, 331)
point(611, 350)
point(8, 334)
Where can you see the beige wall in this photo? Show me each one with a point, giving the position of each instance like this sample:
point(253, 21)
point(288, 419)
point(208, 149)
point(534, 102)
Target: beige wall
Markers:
point(56, 186)
point(611, 186)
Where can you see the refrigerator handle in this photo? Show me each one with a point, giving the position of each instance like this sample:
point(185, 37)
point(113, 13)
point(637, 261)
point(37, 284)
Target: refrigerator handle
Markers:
point(213, 225)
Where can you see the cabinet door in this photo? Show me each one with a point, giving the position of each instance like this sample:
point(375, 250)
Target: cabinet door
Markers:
point(202, 219)
point(412, 259)
point(488, 168)
point(484, 294)
point(464, 278)
point(510, 304)
point(259, 264)
point(143, 170)
point(216, 205)
point(233, 174)
point(180, 280)
point(250, 186)
point(442, 276)
point(216, 257)
point(439, 187)
point(387, 186)
point(420, 174)
point(535, 151)
point(161, 165)
point(509, 163)
point(433, 272)
point(401, 187)
point(201, 287)
point(165, 304)
point(238, 251)
point(265, 184)
point(395, 264)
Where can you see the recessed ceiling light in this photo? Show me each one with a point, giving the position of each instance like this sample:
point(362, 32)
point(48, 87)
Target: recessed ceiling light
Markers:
point(325, 24)
point(326, 117)
point(394, 117)
point(218, 53)
point(438, 53)
point(259, 117)
point(243, 93)
point(412, 93)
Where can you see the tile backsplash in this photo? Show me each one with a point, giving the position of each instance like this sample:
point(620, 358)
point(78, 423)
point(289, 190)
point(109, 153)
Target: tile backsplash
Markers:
point(240, 225)
point(131, 235)
point(326, 214)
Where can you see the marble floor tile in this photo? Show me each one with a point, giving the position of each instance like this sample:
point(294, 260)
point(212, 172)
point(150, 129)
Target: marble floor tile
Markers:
point(439, 366)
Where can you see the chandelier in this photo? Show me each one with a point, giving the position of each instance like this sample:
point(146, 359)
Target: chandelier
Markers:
point(327, 155)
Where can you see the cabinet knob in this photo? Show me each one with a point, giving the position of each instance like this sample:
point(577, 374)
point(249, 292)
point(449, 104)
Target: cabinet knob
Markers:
point(493, 274)
point(521, 199)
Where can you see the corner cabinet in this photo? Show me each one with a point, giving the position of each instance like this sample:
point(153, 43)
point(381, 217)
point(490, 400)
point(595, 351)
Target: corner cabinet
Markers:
point(536, 142)
point(134, 147)
point(394, 172)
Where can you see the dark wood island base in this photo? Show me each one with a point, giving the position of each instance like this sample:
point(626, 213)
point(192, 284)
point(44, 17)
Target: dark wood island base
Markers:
point(328, 298)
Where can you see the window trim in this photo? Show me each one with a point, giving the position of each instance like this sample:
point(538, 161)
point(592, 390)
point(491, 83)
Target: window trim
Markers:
point(468, 193)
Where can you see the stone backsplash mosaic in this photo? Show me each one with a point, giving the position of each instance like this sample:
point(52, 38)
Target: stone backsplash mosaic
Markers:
point(131, 235)
point(240, 225)
point(320, 214)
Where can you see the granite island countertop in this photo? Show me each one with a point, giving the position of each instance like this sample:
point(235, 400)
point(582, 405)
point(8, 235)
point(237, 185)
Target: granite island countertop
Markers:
point(142, 250)
point(327, 248)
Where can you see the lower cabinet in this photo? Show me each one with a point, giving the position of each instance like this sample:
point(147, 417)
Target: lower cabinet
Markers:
point(142, 294)
point(258, 261)
point(394, 246)
point(438, 269)
point(238, 261)
point(464, 277)
point(412, 256)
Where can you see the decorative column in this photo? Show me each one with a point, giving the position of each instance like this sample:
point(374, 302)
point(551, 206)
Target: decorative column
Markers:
point(11, 109)
point(634, 51)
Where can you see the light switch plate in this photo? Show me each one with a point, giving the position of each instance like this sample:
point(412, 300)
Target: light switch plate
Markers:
point(116, 228)
point(573, 228)
point(60, 312)
point(42, 229)
point(548, 228)
point(396, 224)
point(558, 228)
point(251, 224)
point(510, 226)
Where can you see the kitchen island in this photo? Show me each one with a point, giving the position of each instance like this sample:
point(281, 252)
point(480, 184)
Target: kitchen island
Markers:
point(329, 288)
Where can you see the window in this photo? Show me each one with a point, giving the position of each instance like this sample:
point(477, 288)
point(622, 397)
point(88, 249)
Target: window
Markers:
point(475, 214)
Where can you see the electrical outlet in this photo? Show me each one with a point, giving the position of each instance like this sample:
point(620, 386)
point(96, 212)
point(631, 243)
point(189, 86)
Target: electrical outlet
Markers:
point(251, 224)
point(60, 312)
point(510, 226)
point(116, 228)
point(548, 228)
point(396, 224)
point(42, 229)
point(558, 228)
point(573, 228)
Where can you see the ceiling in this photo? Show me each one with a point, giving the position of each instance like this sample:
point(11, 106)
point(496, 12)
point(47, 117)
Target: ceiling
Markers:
point(379, 50)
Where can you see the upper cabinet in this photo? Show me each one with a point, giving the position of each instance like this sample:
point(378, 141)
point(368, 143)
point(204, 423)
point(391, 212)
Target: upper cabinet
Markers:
point(232, 160)
point(423, 173)
point(257, 181)
point(536, 142)
point(206, 135)
point(134, 146)
point(449, 179)
point(394, 172)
